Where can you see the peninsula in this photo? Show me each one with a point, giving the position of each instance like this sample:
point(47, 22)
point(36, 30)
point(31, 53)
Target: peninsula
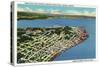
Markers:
point(44, 44)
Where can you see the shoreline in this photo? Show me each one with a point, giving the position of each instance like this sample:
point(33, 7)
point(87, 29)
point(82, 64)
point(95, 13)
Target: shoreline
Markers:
point(64, 51)
point(33, 16)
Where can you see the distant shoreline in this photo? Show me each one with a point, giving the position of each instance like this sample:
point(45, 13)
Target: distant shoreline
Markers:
point(33, 16)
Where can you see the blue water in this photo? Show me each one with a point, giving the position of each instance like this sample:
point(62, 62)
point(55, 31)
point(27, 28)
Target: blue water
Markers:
point(84, 50)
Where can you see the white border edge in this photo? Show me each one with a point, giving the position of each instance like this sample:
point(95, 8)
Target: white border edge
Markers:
point(53, 62)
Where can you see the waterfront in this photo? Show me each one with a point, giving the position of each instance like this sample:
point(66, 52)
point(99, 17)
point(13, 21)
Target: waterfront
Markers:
point(83, 50)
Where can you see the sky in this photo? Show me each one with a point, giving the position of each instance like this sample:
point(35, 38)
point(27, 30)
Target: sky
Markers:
point(56, 9)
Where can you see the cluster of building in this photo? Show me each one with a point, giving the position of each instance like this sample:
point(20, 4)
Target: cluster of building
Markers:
point(44, 48)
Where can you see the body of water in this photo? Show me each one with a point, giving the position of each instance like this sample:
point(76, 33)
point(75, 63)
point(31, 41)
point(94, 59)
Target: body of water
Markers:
point(84, 50)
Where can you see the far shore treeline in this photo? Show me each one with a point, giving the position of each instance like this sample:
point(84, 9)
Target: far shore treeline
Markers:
point(33, 16)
